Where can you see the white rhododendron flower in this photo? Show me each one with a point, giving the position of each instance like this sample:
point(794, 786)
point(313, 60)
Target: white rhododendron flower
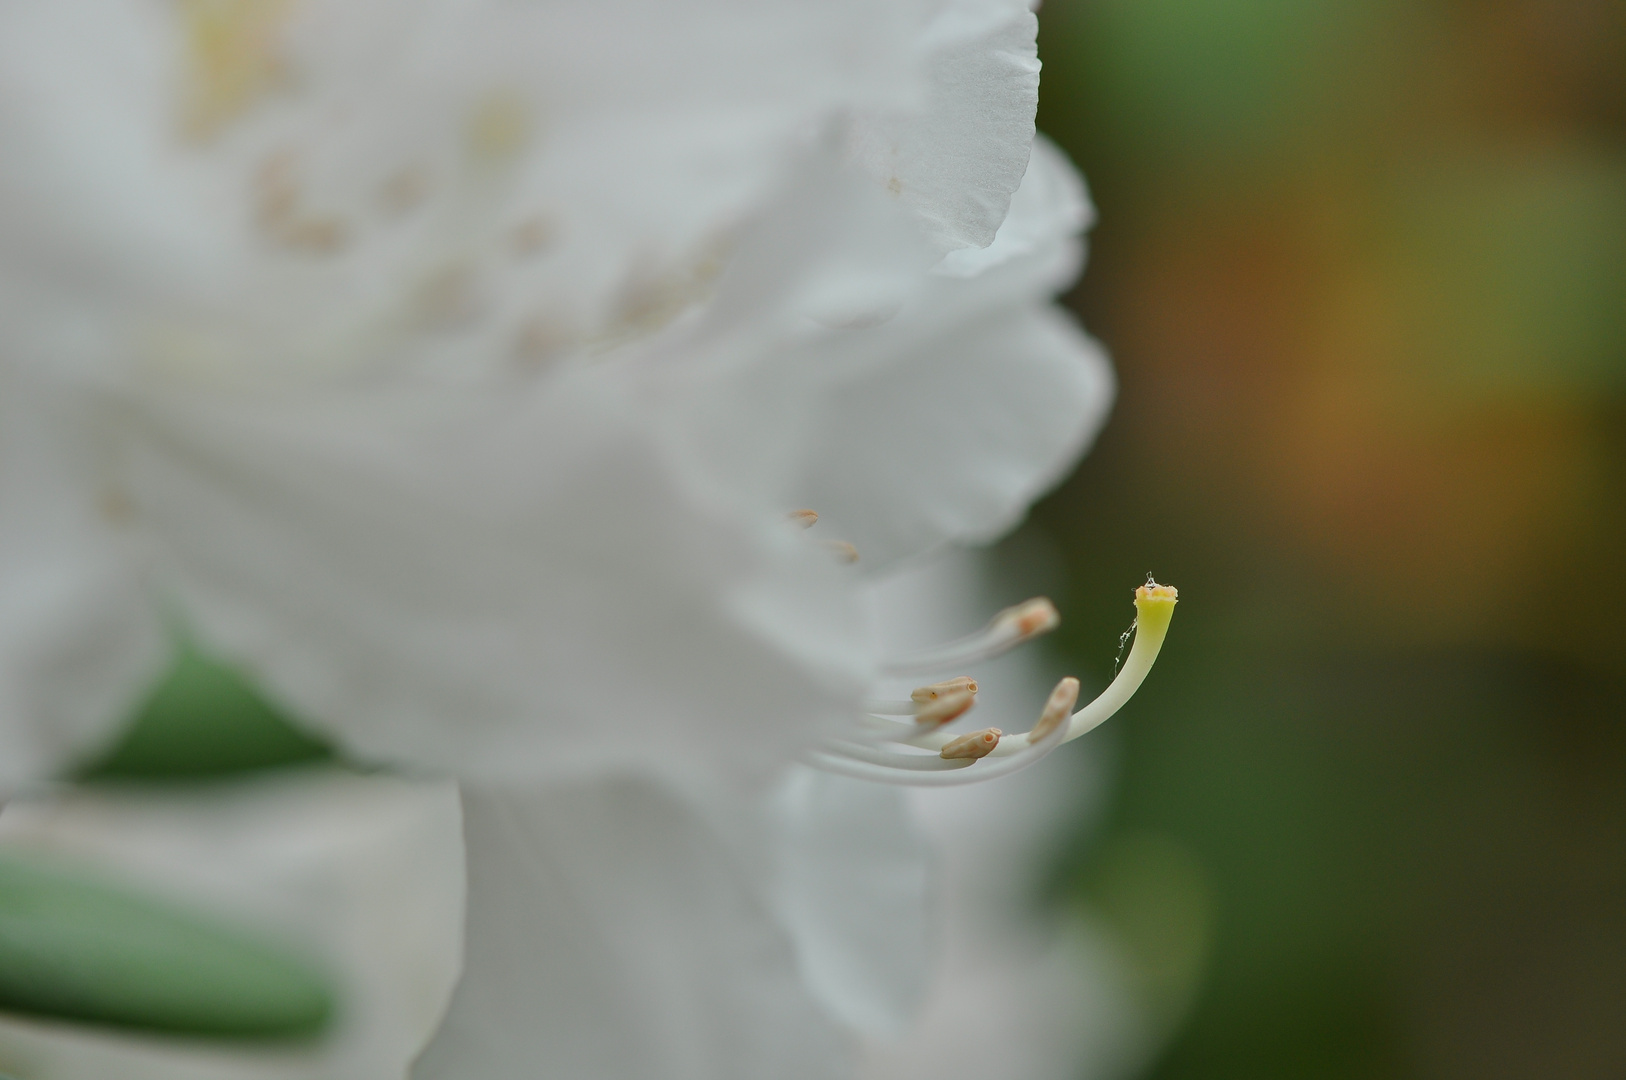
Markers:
point(310, 321)
point(732, 932)
point(378, 343)
point(457, 371)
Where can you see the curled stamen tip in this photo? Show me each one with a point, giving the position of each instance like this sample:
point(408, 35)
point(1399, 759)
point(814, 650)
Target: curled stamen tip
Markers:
point(805, 518)
point(841, 550)
point(950, 705)
point(1031, 618)
point(975, 744)
point(1153, 591)
point(1056, 710)
point(923, 694)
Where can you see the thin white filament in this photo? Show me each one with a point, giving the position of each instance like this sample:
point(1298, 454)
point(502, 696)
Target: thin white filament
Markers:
point(1004, 632)
point(892, 707)
point(947, 773)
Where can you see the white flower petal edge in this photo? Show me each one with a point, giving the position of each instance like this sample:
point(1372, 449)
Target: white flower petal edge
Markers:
point(956, 439)
point(956, 160)
point(615, 933)
point(1045, 228)
point(366, 872)
point(942, 423)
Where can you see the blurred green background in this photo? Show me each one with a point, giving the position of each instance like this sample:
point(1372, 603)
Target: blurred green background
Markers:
point(1362, 268)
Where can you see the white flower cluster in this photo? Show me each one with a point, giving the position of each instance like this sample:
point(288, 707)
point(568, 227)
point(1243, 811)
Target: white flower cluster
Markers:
point(452, 368)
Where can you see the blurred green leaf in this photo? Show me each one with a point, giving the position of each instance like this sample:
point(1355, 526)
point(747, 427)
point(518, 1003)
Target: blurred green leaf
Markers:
point(205, 720)
point(76, 947)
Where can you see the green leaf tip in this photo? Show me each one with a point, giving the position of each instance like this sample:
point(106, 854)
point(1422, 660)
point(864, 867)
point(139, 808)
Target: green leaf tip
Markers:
point(77, 947)
point(204, 720)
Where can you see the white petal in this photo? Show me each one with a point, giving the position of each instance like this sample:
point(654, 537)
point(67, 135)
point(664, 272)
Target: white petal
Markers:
point(976, 399)
point(494, 587)
point(613, 934)
point(938, 424)
point(1049, 210)
point(1047, 994)
point(737, 387)
point(1052, 1010)
point(957, 160)
point(959, 434)
point(365, 872)
point(852, 890)
point(78, 638)
point(632, 134)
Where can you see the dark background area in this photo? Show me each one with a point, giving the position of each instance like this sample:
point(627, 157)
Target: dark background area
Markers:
point(1362, 268)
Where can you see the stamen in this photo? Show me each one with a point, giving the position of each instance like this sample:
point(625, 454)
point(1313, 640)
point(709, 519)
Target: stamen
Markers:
point(841, 550)
point(932, 714)
point(864, 762)
point(946, 708)
point(923, 694)
point(977, 744)
point(1004, 632)
point(1062, 700)
point(841, 757)
point(921, 697)
point(956, 754)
